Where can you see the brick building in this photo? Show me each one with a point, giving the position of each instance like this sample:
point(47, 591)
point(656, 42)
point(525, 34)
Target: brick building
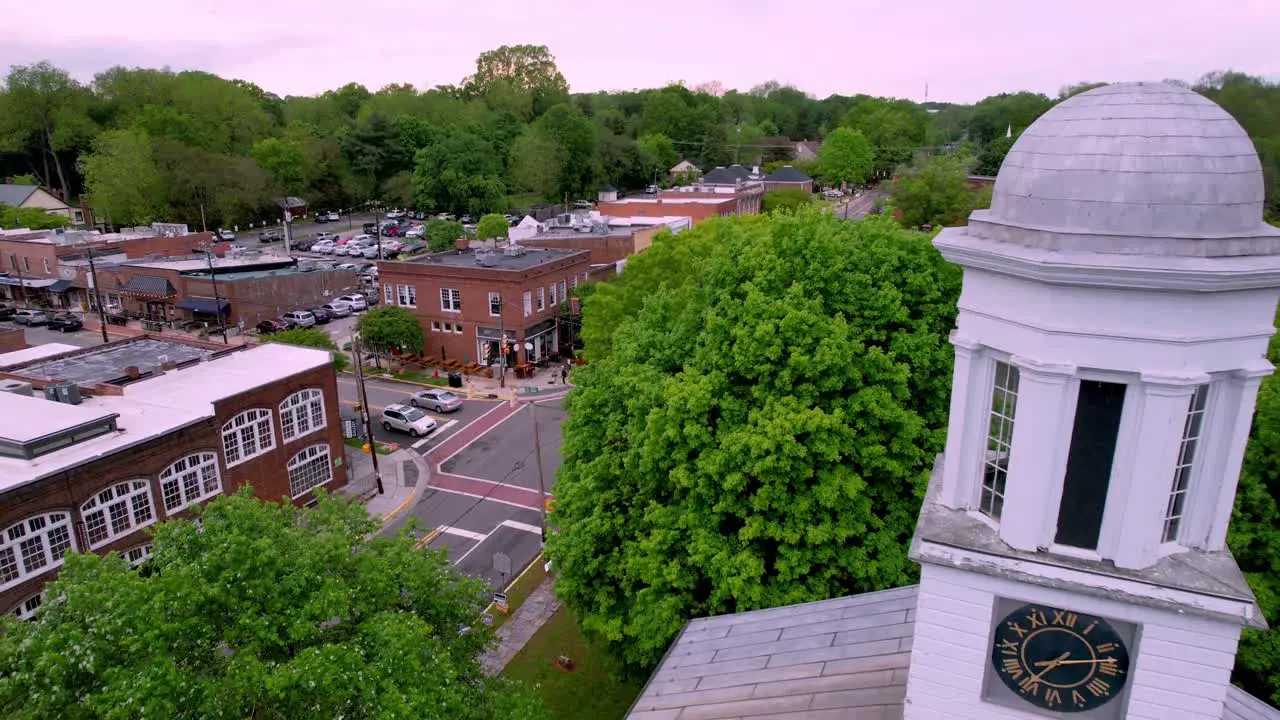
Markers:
point(463, 298)
point(609, 239)
point(745, 194)
point(696, 209)
point(148, 429)
point(11, 339)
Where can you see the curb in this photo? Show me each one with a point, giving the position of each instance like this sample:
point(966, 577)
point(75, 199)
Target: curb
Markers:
point(471, 394)
point(425, 474)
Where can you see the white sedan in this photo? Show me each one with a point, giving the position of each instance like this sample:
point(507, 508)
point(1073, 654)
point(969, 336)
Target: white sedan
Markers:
point(356, 301)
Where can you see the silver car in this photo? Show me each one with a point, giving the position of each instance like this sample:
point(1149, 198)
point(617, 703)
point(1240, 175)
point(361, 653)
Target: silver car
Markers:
point(356, 301)
point(337, 308)
point(407, 419)
point(437, 399)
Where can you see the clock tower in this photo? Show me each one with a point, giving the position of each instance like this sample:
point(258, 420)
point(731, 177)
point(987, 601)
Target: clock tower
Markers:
point(1118, 300)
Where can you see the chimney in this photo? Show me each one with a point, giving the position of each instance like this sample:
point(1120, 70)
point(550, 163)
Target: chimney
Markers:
point(132, 372)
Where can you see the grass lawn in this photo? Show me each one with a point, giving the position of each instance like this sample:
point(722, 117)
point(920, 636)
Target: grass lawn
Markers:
point(421, 378)
point(588, 692)
point(383, 448)
point(520, 589)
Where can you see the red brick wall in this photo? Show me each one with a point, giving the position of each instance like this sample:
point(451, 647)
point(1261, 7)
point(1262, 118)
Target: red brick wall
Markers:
point(696, 211)
point(254, 299)
point(606, 249)
point(28, 259)
point(12, 338)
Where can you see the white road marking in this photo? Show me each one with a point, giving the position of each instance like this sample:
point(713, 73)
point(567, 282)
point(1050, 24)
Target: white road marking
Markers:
point(490, 482)
point(449, 529)
point(472, 549)
point(488, 498)
point(475, 439)
point(521, 526)
point(434, 434)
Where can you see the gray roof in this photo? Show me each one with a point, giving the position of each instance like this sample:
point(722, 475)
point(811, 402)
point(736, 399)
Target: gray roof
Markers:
point(15, 195)
point(721, 176)
point(1240, 705)
point(786, 173)
point(291, 202)
point(841, 658)
point(498, 260)
point(108, 363)
point(1130, 168)
point(149, 285)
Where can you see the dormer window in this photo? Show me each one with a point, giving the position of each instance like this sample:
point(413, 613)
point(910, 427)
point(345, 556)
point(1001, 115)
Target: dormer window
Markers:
point(995, 468)
point(1186, 461)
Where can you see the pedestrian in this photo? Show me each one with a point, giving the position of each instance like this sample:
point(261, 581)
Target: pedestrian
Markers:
point(564, 374)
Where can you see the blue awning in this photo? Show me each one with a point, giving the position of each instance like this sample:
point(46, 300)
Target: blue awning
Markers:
point(60, 286)
point(207, 306)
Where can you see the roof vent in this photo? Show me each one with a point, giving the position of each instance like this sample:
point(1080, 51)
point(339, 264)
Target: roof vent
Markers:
point(68, 393)
point(16, 387)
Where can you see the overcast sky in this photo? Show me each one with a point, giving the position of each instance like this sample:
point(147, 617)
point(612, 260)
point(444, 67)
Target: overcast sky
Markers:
point(964, 49)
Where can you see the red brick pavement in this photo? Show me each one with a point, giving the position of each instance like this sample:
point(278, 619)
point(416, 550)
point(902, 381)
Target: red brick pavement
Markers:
point(513, 494)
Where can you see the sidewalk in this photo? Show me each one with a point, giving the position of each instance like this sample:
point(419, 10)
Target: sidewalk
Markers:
point(403, 473)
point(523, 625)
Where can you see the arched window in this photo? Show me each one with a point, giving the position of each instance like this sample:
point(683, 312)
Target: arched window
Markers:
point(309, 468)
point(26, 610)
point(190, 480)
point(117, 510)
point(302, 413)
point(34, 546)
point(247, 435)
point(138, 555)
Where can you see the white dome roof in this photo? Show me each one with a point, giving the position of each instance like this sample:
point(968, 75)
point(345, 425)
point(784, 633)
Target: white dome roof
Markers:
point(1137, 161)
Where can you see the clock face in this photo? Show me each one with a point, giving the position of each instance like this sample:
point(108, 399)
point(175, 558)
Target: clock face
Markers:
point(1060, 660)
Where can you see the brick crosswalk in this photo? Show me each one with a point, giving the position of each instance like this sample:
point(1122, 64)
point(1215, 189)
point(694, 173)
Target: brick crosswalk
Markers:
point(476, 487)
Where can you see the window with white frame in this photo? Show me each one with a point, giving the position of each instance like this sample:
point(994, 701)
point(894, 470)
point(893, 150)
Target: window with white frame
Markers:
point(388, 293)
point(573, 282)
point(435, 326)
point(302, 413)
point(138, 555)
point(542, 299)
point(495, 304)
point(407, 295)
point(528, 303)
point(116, 511)
point(46, 264)
point(190, 480)
point(450, 299)
point(309, 468)
point(34, 546)
point(457, 328)
point(995, 469)
point(552, 289)
point(1186, 462)
point(26, 610)
point(247, 436)
point(564, 293)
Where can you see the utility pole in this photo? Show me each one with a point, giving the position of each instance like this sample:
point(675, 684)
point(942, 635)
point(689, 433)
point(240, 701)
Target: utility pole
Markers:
point(217, 301)
point(364, 410)
point(288, 228)
point(537, 457)
point(22, 283)
point(203, 228)
point(377, 226)
point(502, 345)
point(97, 296)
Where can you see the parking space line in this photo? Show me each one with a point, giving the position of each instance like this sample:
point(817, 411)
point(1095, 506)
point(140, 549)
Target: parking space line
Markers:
point(521, 526)
point(486, 498)
point(450, 530)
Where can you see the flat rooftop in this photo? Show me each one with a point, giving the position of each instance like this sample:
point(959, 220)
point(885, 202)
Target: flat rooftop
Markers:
point(107, 363)
point(259, 274)
point(148, 409)
point(498, 260)
point(201, 263)
point(17, 357)
point(661, 200)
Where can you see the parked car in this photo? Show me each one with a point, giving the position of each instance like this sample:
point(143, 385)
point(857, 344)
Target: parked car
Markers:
point(65, 322)
point(270, 236)
point(369, 228)
point(407, 419)
point(437, 399)
point(651, 189)
point(226, 235)
point(446, 216)
point(7, 311)
point(582, 205)
point(299, 318)
point(333, 216)
point(412, 246)
point(324, 247)
point(832, 194)
point(371, 252)
point(31, 317)
point(322, 316)
point(466, 219)
point(268, 327)
point(394, 214)
point(356, 301)
point(337, 308)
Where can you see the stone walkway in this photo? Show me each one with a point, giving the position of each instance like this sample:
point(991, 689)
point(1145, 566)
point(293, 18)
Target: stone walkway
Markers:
point(520, 627)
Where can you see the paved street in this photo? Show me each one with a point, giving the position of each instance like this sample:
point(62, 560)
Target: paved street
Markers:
point(383, 393)
point(858, 207)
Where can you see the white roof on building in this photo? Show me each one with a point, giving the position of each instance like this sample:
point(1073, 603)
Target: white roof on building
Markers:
point(660, 200)
point(201, 263)
point(35, 353)
point(148, 409)
point(1132, 168)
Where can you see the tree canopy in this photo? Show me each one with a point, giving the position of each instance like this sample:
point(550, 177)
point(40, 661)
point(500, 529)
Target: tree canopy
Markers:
point(786, 199)
point(757, 425)
point(31, 218)
point(492, 226)
point(262, 610)
point(391, 327)
point(846, 157)
point(933, 191)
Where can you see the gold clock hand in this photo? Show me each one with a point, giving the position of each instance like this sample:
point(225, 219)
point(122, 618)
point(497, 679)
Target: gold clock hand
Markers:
point(1055, 663)
point(1051, 665)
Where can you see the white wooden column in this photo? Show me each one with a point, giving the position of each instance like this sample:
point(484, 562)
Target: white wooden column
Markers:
point(1229, 436)
point(1037, 459)
point(970, 404)
point(1139, 494)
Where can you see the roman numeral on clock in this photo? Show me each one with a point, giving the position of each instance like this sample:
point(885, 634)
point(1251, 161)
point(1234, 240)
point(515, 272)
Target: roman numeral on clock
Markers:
point(1013, 668)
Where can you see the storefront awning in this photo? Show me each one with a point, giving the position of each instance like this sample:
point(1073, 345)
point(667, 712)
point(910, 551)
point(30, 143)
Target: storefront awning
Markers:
point(149, 286)
point(206, 306)
point(60, 286)
point(30, 282)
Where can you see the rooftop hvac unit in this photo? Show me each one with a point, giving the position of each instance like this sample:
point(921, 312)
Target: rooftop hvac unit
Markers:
point(564, 219)
point(68, 393)
point(514, 250)
point(17, 387)
point(583, 227)
point(600, 227)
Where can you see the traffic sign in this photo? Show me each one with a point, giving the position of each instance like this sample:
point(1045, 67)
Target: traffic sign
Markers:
point(502, 563)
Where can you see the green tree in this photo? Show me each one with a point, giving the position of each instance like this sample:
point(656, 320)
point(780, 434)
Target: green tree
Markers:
point(520, 68)
point(846, 157)
point(994, 116)
point(262, 610)
point(573, 137)
point(657, 155)
point(442, 234)
point(282, 160)
point(391, 327)
point(895, 128)
point(123, 180)
point(992, 156)
point(761, 429)
point(460, 173)
point(43, 110)
point(716, 150)
point(535, 165)
point(31, 218)
point(312, 338)
point(492, 226)
point(932, 192)
point(786, 200)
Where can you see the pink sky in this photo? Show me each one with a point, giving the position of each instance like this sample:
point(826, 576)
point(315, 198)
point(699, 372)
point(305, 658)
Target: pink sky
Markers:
point(964, 50)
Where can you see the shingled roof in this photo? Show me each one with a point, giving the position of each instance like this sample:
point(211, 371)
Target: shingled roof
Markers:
point(786, 173)
point(840, 658)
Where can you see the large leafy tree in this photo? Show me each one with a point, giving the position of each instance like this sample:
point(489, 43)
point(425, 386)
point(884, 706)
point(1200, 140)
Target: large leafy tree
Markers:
point(441, 234)
point(758, 426)
point(933, 191)
point(44, 111)
point(30, 218)
point(263, 611)
point(461, 172)
point(391, 327)
point(895, 128)
point(515, 69)
point(992, 156)
point(312, 338)
point(492, 227)
point(122, 178)
point(657, 155)
point(786, 199)
point(845, 157)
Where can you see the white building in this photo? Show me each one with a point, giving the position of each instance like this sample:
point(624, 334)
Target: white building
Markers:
point(1118, 299)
